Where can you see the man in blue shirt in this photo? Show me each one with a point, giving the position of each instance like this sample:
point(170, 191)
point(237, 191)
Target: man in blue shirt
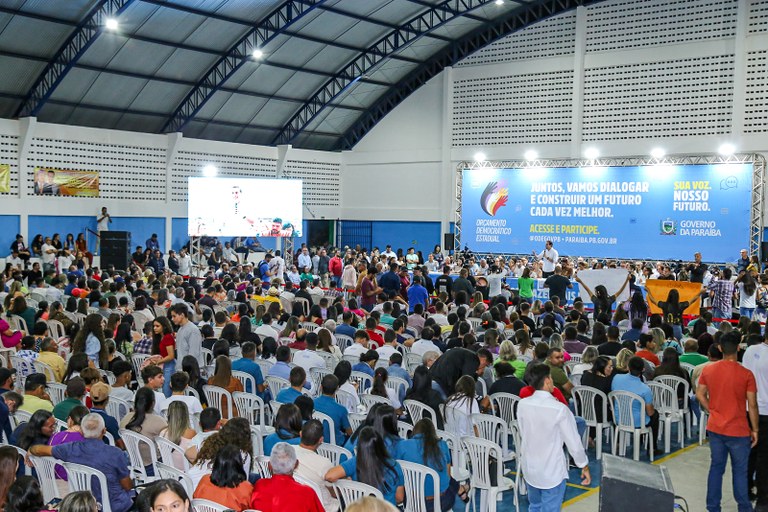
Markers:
point(390, 281)
point(328, 405)
point(297, 378)
point(633, 383)
point(395, 369)
point(92, 452)
point(246, 364)
point(281, 368)
point(346, 328)
point(99, 398)
point(367, 362)
point(417, 294)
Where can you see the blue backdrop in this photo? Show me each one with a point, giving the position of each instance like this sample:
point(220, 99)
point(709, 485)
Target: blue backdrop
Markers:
point(655, 211)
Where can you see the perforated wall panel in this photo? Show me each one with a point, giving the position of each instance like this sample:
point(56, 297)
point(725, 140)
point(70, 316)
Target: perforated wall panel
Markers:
point(9, 154)
point(614, 25)
point(550, 38)
point(191, 163)
point(320, 181)
point(670, 98)
point(756, 93)
point(125, 172)
point(758, 16)
point(512, 109)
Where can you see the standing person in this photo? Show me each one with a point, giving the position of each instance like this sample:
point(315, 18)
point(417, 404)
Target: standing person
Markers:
point(728, 392)
point(558, 284)
point(697, 269)
point(545, 425)
point(189, 341)
point(747, 286)
point(163, 350)
point(756, 360)
point(672, 309)
point(548, 257)
point(102, 224)
point(722, 295)
point(603, 303)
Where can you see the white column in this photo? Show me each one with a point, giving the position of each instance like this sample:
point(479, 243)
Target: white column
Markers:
point(447, 170)
point(578, 81)
point(174, 142)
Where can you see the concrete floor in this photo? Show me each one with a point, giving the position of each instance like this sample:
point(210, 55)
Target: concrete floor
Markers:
point(688, 470)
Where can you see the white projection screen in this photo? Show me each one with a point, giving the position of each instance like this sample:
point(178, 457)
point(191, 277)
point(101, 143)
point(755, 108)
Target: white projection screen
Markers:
point(231, 207)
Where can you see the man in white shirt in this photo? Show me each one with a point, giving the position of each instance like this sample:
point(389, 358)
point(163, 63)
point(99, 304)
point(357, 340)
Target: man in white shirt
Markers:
point(313, 466)
point(229, 254)
point(103, 220)
point(308, 358)
point(360, 346)
point(424, 345)
point(390, 345)
point(15, 261)
point(277, 265)
point(152, 376)
point(305, 260)
point(49, 255)
point(756, 361)
point(185, 262)
point(545, 425)
point(389, 253)
point(549, 257)
point(179, 383)
point(440, 317)
point(265, 330)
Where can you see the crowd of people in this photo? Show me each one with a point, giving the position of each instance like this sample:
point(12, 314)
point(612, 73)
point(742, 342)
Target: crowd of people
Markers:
point(366, 319)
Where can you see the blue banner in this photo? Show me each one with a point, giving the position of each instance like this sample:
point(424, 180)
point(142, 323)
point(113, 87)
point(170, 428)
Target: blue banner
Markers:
point(642, 212)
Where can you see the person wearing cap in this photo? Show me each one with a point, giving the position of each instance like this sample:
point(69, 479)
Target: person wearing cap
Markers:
point(35, 395)
point(49, 355)
point(7, 378)
point(74, 397)
point(99, 398)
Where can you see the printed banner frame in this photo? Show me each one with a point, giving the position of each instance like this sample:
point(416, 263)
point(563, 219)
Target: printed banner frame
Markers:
point(51, 181)
point(5, 178)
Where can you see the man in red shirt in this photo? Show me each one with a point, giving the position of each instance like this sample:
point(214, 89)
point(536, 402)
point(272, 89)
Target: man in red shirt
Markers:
point(725, 390)
point(335, 267)
point(648, 349)
point(281, 492)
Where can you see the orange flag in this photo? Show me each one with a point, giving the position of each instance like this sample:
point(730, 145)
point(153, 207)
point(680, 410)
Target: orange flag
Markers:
point(659, 288)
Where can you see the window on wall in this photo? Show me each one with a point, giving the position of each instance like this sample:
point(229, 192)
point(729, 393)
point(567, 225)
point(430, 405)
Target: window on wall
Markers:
point(355, 232)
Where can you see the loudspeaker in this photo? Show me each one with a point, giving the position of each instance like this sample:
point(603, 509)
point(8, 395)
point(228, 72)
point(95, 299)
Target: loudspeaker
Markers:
point(448, 242)
point(764, 251)
point(632, 486)
point(116, 249)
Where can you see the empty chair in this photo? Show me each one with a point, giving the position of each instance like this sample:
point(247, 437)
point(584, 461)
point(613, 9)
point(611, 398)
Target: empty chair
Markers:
point(252, 407)
point(592, 405)
point(505, 405)
point(459, 470)
point(415, 476)
point(495, 430)
point(166, 471)
point(682, 389)
point(665, 401)
point(117, 408)
point(479, 453)
point(81, 478)
point(622, 403)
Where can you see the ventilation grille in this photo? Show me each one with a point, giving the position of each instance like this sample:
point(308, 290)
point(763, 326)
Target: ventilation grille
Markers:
point(552, 37)
point(125, 172)
point(756, 93)
point(189, 163)
point(9, 154)
point(672, 99)
point(320, 181)
point(513, 109)
point(632, 24)
point(758, 16)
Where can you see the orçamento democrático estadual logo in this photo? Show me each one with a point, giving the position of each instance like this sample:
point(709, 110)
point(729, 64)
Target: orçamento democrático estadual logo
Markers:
point(494, 197)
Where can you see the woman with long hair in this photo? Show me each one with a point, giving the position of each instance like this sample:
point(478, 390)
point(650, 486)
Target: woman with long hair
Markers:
point(76, 364)
point(25, 495)
point(602, 301)
point(383, 419)
point(524, 343)
point(90, 339)
point(9, 465)
point(372, 465)
point(672, 309)
point(191, 367)
point(81, 501)
point(379, 388)
point(236, 431)
point(245, 333)
point(38, 430)
point(343, 372)
point(179, 430)
point(228, 483)
point(20, 308)
point(670, 365)
point(223, 378)
point(636, 307)
point(143, 420)
point(422, 391)
point(622, 361)
point(325, 343)
point(427, 449)
point(287, 425)
point(747, 287)
point(291, 326)
point(164, 350)
point(525, 286)
point(460, 406)
point(72, 434)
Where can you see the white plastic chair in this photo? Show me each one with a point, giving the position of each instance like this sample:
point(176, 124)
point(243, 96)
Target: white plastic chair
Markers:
point(330, 359)
point(417, 409)
point(479, 453)
point(252, 407)
point(166, 471)
point(309, 483)
point(412, 361)
point(404, 430)
point(495, 430)
point(316, 377)
point(264, 365)
point(398, 385)
point(369, 400)
point(324, 418)
point(586, 404)
point(19, 324)
point(216, 396)
point(676, 383)
point(333, 452)
point(343, 341)
point(80, 478)
point(355, 420)
point(505, 405)
point(46, 370)
point(171, 453)
point(688, 367)
point(310, 326)
point(364, 382)
point(247, 380)
point(703, 426)
point(459, 470)
point(56, 329)
point(56, 391)
point(347, 399)
point(200, 505)
point(622, 403)
point(665, 401)
point(349, 491)
point(262, 465)
point(416, 487)
point(132, 442)
point(207, 356)
point(351, 359)
point(276, 384)
point(117, 408)
point(21, 417)
point(46, 475)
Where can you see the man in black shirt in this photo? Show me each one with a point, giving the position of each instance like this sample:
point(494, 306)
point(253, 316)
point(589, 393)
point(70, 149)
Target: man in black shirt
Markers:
point(697, 269)
point(444, 283)
point(453, 365)
point(462, 284)
point(558, 284)
point(506, 382)
point(613, 346)
point(525, 309)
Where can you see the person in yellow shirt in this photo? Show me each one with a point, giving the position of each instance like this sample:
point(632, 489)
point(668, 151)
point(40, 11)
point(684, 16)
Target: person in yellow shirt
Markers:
point(35, 395)
point(49, 355)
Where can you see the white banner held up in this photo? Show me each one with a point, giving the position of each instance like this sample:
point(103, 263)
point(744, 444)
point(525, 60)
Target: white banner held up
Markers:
point(611, 278)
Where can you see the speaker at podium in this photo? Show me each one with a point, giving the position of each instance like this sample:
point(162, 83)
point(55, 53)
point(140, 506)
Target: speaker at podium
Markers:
point(116, 249)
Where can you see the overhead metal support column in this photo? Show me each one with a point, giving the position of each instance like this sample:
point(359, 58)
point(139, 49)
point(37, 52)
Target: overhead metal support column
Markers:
point(268, 28)
point(513, 21)
point(87, 31)
point(402, 36)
